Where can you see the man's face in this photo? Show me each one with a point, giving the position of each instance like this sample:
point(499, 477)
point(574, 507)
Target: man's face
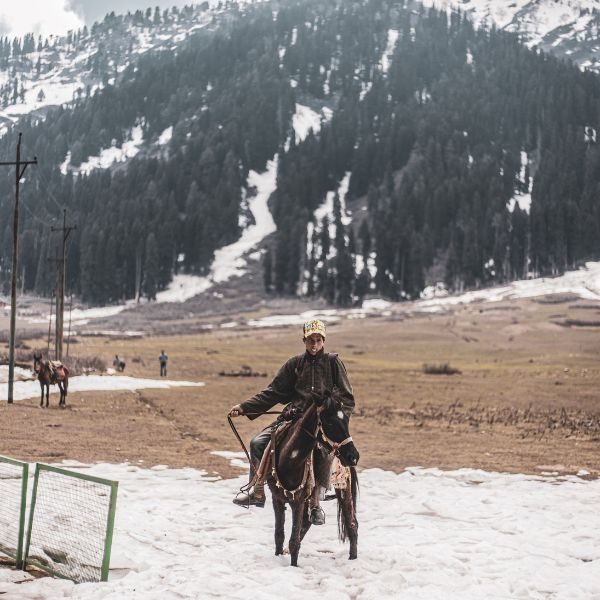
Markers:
point(314, 343)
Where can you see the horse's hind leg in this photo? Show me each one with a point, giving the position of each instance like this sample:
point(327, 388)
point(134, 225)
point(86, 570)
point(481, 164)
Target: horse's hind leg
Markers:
point(63, 393)
point(279, 509)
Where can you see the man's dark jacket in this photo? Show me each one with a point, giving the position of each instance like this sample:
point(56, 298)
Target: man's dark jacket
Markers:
point(300, 378)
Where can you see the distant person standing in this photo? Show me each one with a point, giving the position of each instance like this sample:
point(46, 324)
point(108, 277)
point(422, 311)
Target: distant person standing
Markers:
point(163, 358)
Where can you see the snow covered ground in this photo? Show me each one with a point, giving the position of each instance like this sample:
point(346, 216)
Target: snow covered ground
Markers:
point(86, 383)
point(424, 534)
point(584, 282)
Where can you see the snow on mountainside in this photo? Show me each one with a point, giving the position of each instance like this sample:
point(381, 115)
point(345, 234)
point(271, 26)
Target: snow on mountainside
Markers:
point(61, 70)
point(567, 28)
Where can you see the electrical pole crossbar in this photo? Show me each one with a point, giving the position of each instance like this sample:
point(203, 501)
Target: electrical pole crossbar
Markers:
point(20, 166)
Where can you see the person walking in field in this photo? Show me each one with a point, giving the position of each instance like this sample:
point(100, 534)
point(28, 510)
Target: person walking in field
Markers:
point(163, 358)
point(314, 373)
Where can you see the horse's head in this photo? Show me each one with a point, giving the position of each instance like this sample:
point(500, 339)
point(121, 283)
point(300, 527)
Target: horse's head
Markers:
point(37, 361)
point(334, 432)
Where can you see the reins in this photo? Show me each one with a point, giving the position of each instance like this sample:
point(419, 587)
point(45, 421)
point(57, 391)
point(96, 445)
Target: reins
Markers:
point(246, 488)
point(237, 435)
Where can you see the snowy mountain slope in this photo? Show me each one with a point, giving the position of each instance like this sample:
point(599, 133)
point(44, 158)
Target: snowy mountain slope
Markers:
point(63, 69)
point(567, 28)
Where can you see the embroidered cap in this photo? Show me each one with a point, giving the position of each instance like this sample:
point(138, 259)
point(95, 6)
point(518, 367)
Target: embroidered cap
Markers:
point(314, 326)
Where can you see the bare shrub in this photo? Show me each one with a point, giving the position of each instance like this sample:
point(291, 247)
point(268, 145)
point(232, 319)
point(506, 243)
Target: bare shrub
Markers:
point(21, 337)
point(441, 369)
point(581, 323)
point(556, 298)
point(84, 365)
point(585, 306)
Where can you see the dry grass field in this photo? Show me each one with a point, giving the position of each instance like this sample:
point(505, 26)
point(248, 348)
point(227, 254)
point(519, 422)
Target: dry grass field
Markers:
point(526, 397)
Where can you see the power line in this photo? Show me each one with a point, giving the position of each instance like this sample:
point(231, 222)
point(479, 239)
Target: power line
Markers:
point(34, 216)
point(46, 184)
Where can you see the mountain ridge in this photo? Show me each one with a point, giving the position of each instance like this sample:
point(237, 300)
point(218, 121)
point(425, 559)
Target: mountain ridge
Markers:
point(450, 135)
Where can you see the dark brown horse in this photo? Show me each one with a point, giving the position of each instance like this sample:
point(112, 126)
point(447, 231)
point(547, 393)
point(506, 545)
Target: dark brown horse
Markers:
point(323, 422)
point(50, 374)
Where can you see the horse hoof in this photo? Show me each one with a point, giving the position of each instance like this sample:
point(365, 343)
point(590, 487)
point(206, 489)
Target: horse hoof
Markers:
point(352, 557)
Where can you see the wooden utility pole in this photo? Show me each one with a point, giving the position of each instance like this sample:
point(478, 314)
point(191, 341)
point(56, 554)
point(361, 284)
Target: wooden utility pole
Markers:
point(49, 326)
point(20, 166)
point(60, 292)
point(69, 330)
point(56, 262)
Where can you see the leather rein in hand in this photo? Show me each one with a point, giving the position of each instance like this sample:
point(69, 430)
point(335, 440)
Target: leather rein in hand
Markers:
point(237, 435)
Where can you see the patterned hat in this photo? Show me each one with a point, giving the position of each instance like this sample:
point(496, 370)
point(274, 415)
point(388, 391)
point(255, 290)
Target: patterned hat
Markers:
point(314, 326)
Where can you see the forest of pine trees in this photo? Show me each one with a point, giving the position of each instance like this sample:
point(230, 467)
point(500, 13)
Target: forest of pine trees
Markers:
point(433, 149)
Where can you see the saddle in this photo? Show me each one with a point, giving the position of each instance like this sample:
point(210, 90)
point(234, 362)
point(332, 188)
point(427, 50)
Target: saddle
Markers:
point(265, 461)
point(267, 465)
point(57, 370)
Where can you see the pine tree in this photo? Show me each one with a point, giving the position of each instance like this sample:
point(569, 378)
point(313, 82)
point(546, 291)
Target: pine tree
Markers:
point(268, 270)
point(151, 268)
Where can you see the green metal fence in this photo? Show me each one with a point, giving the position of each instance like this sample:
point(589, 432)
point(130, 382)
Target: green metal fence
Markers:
point(13, 504)
point(71, 524)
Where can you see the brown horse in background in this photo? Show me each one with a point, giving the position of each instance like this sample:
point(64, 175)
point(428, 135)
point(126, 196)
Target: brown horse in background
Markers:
point(50, 374)
point(324, 423)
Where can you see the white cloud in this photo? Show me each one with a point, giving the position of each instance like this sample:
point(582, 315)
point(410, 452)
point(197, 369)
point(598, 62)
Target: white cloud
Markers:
point(43, 17)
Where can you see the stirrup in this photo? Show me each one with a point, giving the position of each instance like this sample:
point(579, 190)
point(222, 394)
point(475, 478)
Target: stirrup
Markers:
point(250, 499)
point(317, 516)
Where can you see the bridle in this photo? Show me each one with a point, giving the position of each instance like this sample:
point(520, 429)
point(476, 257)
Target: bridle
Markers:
point(334, 447)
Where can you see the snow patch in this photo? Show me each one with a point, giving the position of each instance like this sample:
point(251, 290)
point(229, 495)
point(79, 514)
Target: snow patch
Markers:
point(87, 383)
point(229, 261)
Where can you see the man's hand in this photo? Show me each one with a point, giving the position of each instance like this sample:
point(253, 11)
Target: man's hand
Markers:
point(236, 411)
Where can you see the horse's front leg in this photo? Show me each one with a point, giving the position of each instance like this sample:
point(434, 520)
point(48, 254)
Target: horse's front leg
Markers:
point(47, 396)
point(295, 539)
point(305, 519)
point(42, 395)
point(345, 502)
point(279, 509)
point(61, 402)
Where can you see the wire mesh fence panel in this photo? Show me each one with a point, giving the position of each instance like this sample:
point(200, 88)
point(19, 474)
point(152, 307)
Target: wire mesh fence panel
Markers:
point(70, 524)
point(13, 495)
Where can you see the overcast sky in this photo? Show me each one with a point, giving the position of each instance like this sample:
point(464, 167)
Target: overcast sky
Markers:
point(58, 16)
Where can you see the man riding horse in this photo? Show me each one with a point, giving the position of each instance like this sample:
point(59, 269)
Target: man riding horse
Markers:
point(315, 373)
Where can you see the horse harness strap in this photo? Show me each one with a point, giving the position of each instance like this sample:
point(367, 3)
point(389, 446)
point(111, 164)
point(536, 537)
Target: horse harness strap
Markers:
point(335, 446)
point(307, 477)
point(290, 494)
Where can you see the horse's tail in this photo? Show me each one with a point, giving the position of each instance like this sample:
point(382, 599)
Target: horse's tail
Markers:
point(342, 527)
